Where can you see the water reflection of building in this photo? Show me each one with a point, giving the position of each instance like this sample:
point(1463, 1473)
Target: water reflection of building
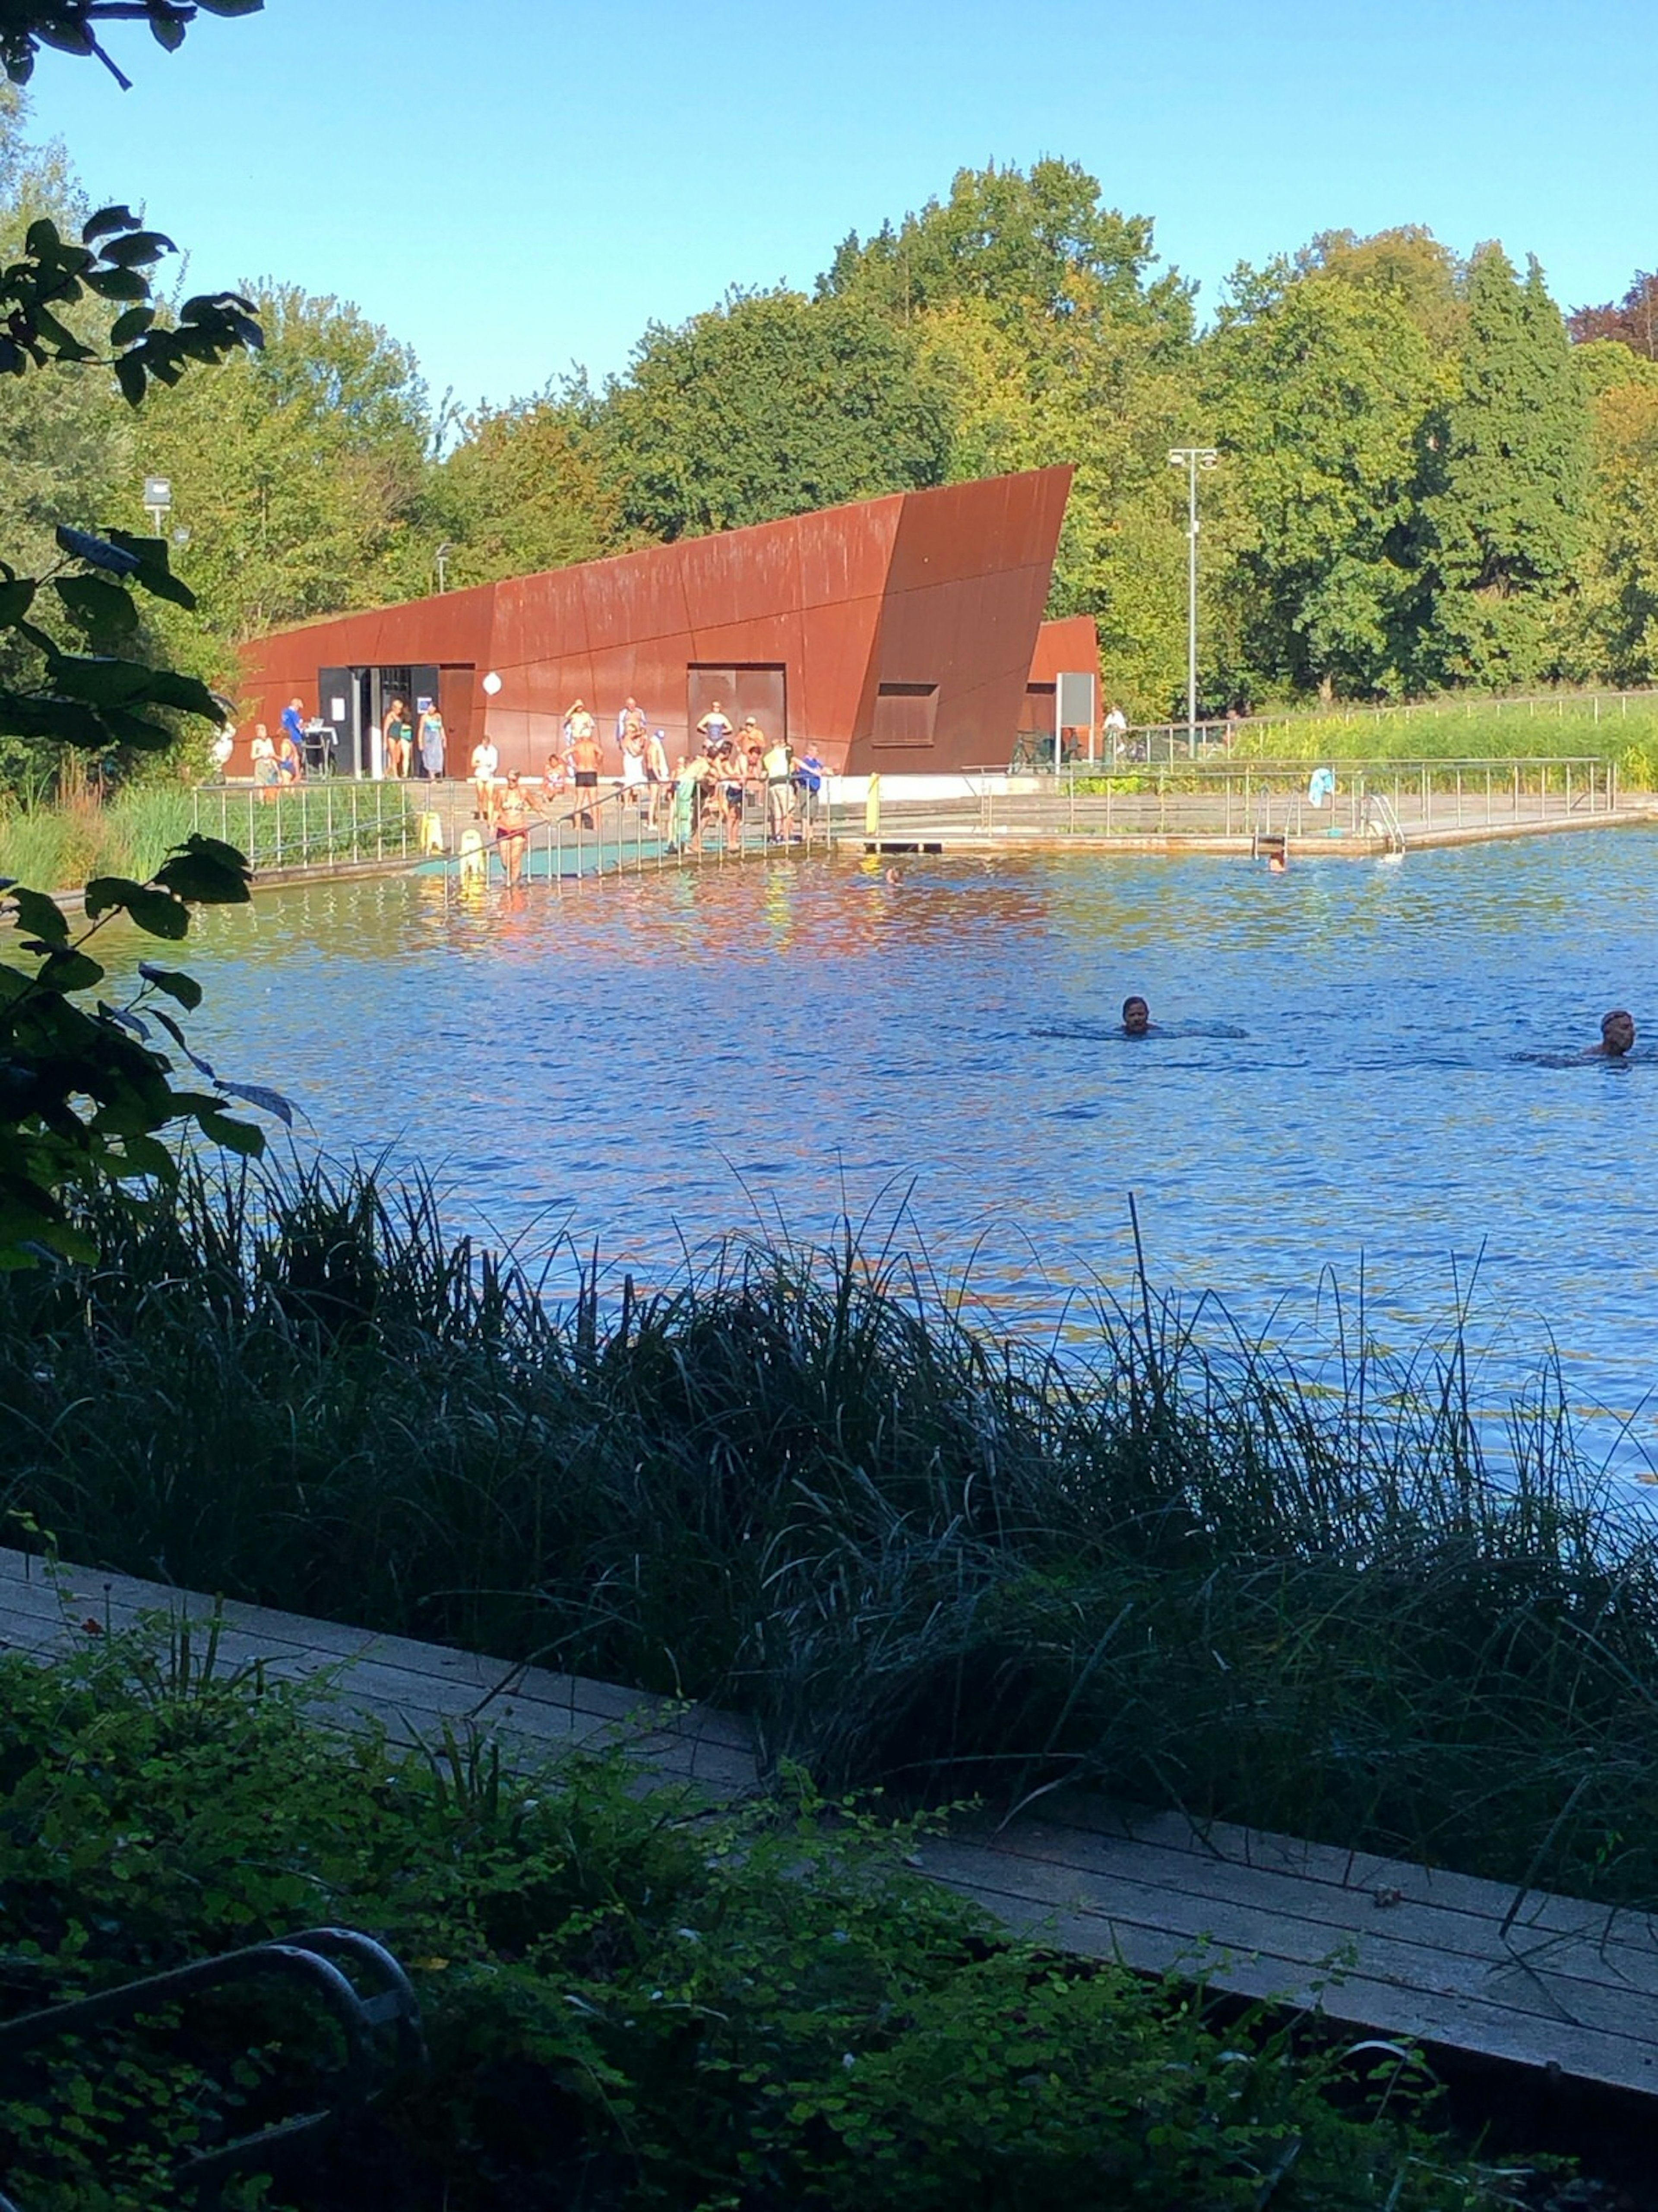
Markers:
point(903, 634)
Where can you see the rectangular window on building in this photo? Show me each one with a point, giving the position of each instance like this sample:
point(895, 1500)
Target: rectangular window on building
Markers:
point(905, 714)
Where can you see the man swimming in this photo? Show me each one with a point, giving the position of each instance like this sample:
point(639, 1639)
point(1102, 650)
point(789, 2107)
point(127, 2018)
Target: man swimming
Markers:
point(1616, 1036)
point(1136, 1017)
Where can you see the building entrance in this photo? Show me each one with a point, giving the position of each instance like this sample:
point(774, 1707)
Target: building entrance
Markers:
point(355, 702)
point(758, 688)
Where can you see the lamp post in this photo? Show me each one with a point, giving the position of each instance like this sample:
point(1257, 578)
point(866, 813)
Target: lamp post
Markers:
point(1192, 459)
point(442, 557)
point(158, 502)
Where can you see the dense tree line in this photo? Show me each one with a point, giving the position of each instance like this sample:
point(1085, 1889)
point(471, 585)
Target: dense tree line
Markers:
point(1429, 477)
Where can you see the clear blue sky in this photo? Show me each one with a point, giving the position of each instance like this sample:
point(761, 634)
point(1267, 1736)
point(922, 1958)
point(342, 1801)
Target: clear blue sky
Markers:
point(517, 185)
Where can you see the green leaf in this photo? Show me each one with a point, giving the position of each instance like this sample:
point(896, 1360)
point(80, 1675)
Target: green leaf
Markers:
point(139, 248)
point(106, 220)
point(130, 325)
point(209, 881)
point(167, 31)
point(151, 572)
point(98, 552)
point(155, 911)
point(122, 728)
point(17, 597)
point(230, 7)
point(117, 284)
point(104, 607)
point(99, 679)
point(235, 1136)
point(65, 969)
point(40, 914)
point(184, 989)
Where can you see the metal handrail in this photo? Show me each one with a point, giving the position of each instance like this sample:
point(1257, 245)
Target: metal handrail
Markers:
point(303, 1958)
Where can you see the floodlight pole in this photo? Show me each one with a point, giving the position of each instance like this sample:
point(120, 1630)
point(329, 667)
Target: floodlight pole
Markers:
point(1192, 459)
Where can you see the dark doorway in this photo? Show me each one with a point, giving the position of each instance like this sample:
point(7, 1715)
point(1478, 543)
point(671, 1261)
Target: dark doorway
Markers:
point(758, 688)
point(355, 702)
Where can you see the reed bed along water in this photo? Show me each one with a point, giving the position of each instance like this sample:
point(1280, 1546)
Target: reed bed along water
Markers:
point(802, 1484)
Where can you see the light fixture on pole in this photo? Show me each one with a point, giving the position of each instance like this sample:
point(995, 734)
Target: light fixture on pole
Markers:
point(442, 557)
point(1192, 459)
point(158, 502)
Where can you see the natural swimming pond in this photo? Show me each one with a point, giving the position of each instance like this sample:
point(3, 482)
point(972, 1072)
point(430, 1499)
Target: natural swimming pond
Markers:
point(1340, 1079)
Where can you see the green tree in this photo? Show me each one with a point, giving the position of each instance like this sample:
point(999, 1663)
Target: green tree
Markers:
point(528, 488)
point(1041, 243)
point(1613, 632)
point(300, 471)
point(84, 1092)
point(1318, 388)
point(770, 405)
point(1506, 477)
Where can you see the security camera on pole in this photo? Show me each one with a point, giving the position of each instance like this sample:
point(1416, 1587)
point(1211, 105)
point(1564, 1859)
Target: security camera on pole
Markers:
point(1192, 459)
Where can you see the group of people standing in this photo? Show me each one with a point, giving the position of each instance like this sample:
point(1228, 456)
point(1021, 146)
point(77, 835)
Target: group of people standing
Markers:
point(399, 740)
point(702, 792)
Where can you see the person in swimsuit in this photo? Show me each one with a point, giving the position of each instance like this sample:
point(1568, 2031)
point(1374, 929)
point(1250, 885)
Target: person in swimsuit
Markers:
point(585, 754)
point(1136, 1017)
point(636, 777)
point(395, 737)
point(432, 737)
point(486, 761)
point(715, 729)
point(1616, 1036)
point(512, 829)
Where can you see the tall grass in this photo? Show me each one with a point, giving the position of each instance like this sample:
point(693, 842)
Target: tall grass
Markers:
point(57, 848)
point(799, 1483)
point(1622, 728)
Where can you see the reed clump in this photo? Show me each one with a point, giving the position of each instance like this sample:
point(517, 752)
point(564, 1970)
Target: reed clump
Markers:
point(1172, 1567)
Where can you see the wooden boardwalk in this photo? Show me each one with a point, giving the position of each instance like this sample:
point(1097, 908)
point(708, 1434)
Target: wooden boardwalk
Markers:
point(1528, 1979)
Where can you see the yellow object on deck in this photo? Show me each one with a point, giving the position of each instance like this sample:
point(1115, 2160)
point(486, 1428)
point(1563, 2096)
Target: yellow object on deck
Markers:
point(474, 862)
point(428, 833)
point(872, 809)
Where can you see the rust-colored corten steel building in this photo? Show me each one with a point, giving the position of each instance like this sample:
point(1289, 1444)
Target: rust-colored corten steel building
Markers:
point(898, 634)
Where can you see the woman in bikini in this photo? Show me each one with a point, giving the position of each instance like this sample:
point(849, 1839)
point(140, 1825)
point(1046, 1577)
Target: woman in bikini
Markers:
point(513, 810)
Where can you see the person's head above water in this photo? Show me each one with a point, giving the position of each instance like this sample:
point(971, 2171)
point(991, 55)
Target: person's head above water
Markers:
point(1136, 1017)
point(1616, 1033)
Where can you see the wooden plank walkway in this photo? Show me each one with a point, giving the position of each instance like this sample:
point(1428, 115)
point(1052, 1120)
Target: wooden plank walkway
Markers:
point(1529, 1978)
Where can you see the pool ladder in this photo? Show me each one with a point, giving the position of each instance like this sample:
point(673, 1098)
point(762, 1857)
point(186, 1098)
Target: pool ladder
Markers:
point(1381, 815)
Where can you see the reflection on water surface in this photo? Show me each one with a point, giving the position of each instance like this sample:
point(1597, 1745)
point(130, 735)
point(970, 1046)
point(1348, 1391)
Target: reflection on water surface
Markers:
point(1340, 1075)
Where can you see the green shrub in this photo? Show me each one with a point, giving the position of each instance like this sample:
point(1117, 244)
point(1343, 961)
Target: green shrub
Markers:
point(800, 1486)
point(629, 2002)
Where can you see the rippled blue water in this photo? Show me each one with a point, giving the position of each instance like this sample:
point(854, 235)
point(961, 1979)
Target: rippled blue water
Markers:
point(663, 1060)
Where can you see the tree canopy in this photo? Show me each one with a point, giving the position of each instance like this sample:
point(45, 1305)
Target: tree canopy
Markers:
point(1423, 479)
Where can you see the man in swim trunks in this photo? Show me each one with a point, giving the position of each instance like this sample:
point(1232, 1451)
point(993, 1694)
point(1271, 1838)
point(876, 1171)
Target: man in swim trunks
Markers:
point(1616, 1036)
point(585, 754)
point(1136, 1017)
point(512, 829)
point(715, 731)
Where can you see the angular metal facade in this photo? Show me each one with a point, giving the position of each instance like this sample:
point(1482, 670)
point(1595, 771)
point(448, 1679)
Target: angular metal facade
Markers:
point(899, 633)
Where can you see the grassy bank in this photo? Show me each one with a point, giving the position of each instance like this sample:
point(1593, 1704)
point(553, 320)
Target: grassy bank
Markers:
point(59, 847)
point(800, 1486)
point(624, 2007)
point(1620, 728)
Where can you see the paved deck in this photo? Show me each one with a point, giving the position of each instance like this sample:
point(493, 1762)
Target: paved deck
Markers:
point(1532, 1980)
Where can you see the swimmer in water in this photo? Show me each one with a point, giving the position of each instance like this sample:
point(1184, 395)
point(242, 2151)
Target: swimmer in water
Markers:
point(1136, 1017)
point(1277, 864)
point(1616, 1036)
point(894, 876)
